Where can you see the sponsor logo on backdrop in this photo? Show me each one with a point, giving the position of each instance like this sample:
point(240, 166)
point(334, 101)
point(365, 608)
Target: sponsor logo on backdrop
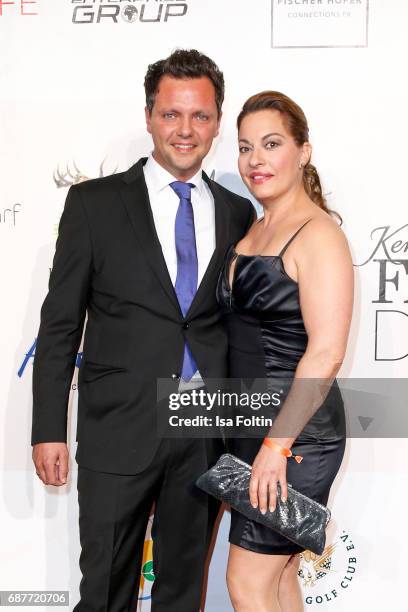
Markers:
point(147, 575)
point(24, 8)
point(8, 216)
point(319, 23)
point(325, 577)
point(127, 11)
point(29, 356)
point(388, 256)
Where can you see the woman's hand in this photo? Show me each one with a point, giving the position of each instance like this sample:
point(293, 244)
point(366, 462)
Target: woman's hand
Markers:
point(268, 469)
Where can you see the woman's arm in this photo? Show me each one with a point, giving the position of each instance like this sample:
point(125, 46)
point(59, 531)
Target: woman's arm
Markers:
point(325, 277)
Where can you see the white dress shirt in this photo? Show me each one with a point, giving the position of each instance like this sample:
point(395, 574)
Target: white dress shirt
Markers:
point(164, 203)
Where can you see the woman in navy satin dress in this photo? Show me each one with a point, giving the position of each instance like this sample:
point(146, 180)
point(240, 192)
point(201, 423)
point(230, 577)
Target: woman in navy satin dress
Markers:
point(286, 294)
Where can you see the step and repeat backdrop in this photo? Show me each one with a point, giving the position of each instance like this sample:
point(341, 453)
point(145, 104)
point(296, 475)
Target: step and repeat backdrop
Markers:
point(72, 108)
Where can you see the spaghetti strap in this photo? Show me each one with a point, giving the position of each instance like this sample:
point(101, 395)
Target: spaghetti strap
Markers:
point(293, 237)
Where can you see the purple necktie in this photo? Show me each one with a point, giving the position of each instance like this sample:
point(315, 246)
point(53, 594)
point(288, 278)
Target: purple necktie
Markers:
point(187, 263)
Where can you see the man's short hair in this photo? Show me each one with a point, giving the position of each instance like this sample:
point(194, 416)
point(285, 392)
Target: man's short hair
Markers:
point(184, 64)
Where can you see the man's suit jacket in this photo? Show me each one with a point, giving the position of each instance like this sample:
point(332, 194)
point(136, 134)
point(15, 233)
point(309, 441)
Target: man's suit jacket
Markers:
point(109, 263)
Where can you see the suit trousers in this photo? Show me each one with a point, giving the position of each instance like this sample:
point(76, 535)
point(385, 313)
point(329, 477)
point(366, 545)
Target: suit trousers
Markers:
point(114, 511)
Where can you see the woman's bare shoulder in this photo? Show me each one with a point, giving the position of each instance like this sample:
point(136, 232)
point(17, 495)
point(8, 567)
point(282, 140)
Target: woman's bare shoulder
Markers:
point(323, 230)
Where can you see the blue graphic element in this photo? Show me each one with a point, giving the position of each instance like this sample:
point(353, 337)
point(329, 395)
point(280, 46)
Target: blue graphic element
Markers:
point(31, 353)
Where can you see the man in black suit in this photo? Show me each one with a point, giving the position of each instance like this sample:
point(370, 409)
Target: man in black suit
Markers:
point(140, 252)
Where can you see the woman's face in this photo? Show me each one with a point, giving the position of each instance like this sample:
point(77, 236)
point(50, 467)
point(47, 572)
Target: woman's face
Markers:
point(269, 158)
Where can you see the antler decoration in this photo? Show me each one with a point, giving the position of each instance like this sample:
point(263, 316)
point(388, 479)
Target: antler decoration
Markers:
point(101, 172)
point(68, 178)
point(73, 177)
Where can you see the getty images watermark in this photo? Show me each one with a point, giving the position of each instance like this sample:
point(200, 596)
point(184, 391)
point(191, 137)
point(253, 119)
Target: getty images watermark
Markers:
point(352, 407)
point(221, 400)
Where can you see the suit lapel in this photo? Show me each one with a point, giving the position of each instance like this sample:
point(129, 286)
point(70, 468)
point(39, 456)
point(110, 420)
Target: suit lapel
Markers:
point(135, 197)
point(136, 200)
point(222, 223)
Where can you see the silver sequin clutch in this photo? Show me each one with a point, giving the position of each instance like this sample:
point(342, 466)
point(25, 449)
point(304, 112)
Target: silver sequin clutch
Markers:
point(300, 519)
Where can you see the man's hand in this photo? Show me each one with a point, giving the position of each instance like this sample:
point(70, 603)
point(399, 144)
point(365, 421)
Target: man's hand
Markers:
point(51, 462)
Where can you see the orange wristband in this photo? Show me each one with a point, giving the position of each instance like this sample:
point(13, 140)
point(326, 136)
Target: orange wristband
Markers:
point(286, 452)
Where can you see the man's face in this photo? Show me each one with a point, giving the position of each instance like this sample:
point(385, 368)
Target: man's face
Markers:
point(183, 123)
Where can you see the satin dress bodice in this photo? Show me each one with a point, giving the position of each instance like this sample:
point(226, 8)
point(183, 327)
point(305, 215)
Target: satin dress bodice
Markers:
point(262, 312)
point(267, 337)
